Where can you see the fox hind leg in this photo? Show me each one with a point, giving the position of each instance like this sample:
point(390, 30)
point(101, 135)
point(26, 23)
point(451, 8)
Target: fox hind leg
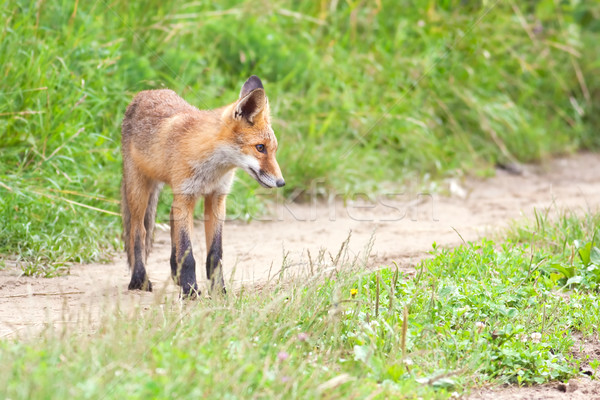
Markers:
point(150, 216)
point(139, 277)
point(137, 192)
point(126, 217)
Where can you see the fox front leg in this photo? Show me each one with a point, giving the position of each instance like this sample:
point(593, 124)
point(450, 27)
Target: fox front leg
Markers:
point(183, 265)
point(175, 267)
point(214, 216)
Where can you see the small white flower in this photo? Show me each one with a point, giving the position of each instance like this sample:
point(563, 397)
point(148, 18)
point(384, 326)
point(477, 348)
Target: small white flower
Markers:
point(536, 337)
point(408, 361)
point(465, 309)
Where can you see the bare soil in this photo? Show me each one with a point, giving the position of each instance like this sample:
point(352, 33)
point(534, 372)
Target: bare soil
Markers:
point(400, 228)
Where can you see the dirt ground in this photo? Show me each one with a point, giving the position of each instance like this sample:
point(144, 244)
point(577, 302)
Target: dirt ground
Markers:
point(399, 228)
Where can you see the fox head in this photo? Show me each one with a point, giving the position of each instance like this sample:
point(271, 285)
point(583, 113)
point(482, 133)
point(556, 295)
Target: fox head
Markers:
point(250, 122)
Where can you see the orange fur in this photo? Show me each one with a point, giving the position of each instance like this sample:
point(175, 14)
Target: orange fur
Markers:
point(166, 140)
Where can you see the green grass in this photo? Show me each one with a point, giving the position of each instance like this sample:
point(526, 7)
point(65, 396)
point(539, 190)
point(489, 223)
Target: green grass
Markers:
point(575, 262)
point(483, 313)
point(361, 94)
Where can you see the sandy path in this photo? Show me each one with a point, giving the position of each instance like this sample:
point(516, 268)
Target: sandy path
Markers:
point(403, 228)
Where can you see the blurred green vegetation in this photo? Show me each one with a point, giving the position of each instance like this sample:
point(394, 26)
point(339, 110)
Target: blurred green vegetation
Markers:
point(361, 93)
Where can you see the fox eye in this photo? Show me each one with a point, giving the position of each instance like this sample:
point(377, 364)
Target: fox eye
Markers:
point(261, 148)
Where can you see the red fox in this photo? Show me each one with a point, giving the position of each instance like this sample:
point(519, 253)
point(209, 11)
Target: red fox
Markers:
point(196, 152)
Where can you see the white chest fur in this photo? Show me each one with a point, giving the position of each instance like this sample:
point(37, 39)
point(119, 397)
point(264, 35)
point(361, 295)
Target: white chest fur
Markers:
point(214, 174)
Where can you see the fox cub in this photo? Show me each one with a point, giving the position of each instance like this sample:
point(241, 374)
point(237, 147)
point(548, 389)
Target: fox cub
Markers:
point(196, 152)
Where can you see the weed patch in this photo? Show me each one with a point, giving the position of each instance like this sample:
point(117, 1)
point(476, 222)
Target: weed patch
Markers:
point(483, 313)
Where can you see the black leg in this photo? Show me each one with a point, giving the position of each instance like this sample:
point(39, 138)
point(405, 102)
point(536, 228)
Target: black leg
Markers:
point(139, 278)
point(183, 265)
point(174, 273)
point(214, 265)
point(186, 265)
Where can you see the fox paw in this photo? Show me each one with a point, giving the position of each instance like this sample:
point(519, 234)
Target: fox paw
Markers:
point(140, 284)
point(190, 290)
point(218, 287)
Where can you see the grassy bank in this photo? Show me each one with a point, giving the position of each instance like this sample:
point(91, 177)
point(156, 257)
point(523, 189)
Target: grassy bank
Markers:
point(484, 313)
point(361, 94)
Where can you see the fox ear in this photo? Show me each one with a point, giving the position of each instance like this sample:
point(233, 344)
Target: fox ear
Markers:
point(251, 84)
point(251, 105)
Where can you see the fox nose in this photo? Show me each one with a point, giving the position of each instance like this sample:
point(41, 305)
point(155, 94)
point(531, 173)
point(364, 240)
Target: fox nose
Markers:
point(280, 183)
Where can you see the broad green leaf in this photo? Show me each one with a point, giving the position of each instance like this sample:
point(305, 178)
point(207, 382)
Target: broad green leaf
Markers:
point(584, 253)
point(566, 270)
point(595, 255)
